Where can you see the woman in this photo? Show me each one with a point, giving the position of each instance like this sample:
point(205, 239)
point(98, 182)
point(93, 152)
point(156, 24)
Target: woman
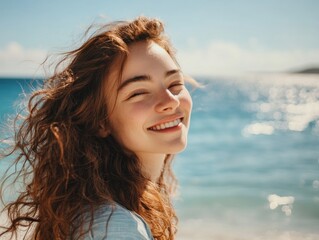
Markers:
point(97, 144)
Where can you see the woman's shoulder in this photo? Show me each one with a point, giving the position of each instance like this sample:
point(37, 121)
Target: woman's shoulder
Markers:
point(116, 222)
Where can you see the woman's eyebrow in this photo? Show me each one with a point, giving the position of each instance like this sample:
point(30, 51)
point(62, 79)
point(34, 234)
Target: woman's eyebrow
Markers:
point(140, 78)
point(134, 79)
point(172, 72)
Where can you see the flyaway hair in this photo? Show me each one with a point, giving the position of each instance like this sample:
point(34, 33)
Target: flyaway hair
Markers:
point(67, 168)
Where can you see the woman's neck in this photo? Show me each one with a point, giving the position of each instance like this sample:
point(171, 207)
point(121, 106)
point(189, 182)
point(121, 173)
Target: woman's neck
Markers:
point(152, 165)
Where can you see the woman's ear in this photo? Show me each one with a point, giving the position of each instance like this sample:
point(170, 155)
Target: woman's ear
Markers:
point(104, 130)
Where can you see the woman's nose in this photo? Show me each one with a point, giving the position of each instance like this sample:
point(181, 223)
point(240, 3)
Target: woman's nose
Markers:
point(167, 101)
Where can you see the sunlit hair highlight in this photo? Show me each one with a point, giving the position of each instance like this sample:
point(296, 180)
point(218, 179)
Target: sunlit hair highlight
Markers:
point(67, 167)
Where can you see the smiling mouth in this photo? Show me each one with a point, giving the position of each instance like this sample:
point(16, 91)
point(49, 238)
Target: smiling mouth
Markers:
point(166, 125)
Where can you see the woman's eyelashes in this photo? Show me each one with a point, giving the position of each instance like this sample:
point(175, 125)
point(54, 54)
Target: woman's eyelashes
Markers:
point(136, 94)
point(174, 88)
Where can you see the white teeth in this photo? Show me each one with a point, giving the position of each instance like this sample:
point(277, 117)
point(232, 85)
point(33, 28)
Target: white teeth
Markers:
point(166, 125)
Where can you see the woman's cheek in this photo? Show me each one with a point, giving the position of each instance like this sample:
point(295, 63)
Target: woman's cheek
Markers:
point(186, 100)
point(141, 106)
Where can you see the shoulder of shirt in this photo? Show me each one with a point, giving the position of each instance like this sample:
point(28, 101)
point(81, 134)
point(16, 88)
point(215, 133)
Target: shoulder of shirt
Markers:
point(116, 222)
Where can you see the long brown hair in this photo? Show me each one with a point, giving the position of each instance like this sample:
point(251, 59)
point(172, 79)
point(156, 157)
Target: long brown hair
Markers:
point(67, 167)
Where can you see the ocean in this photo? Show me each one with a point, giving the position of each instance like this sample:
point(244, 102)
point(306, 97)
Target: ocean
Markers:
point(251, 168)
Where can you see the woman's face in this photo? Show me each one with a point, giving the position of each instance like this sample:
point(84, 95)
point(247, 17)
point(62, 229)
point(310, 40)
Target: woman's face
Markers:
point(151, 113)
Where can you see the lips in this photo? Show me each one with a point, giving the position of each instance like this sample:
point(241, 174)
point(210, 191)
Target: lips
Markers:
point(166, 124)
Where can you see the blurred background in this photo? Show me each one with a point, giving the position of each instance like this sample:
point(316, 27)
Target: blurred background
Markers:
point(251, 169)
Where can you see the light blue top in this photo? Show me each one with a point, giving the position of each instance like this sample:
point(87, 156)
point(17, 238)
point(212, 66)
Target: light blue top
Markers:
point(123, 224)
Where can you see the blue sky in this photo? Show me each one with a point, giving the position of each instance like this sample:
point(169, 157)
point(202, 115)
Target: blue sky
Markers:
point(211, 37)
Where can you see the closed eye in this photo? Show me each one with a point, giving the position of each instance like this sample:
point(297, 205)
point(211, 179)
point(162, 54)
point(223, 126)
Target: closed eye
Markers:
point(176, 84)
point(135, 94)
point(176, 87)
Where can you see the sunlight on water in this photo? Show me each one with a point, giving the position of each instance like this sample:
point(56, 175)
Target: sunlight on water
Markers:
point(285, 202)
point(251, 167)
point(284, 102)
point(258, 128)
point(315, 184)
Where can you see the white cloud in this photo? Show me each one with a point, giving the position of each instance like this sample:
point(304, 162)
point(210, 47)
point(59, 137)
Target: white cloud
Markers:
point(216, 59)
point(15, 60)
point(227, 58)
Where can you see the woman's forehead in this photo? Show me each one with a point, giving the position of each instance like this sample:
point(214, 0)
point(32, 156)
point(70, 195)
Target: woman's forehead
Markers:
point(146, 58)
point(142, 58)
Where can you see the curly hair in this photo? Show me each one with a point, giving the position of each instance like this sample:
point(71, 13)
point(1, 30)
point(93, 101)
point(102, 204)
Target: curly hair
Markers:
point(67, 167)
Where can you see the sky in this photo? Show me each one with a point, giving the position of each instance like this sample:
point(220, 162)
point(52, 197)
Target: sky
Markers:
point(212, 37)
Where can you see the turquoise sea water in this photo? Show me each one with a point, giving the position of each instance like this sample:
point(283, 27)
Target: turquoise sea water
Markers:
point(251, 168)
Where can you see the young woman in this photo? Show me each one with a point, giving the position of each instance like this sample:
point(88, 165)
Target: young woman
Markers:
point(96, 146)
